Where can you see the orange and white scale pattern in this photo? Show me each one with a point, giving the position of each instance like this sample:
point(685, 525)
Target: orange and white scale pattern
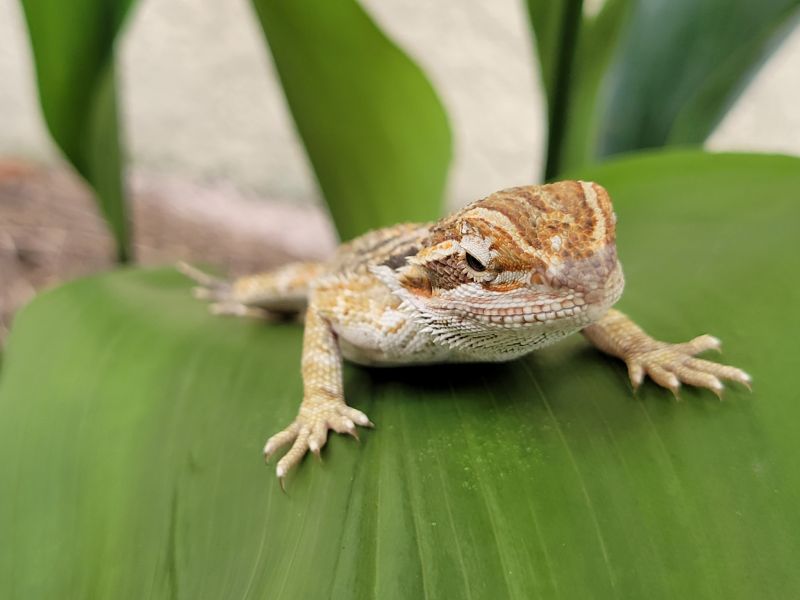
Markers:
point(515, 271)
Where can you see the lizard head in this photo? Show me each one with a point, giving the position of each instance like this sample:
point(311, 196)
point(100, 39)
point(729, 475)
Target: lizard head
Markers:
point(532, 263)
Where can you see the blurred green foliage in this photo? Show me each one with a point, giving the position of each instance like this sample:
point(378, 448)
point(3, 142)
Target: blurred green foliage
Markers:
point(375, 131)
point(647, 73)
point(73, 49)
point(638, 74)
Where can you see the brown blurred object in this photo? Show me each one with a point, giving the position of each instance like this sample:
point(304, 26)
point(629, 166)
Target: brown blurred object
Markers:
point(51, 230)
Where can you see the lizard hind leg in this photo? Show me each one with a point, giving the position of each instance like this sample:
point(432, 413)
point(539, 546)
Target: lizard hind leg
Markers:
point(282, 290)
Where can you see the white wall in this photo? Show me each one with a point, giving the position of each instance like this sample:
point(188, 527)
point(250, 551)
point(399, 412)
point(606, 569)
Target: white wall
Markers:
point(200, 97)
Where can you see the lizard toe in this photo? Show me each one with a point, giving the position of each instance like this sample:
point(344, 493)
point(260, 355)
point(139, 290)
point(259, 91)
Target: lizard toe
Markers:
point(720, 371)
point(294, 455)
point(280, 439)
point(318, 438)
point(635, 373)
point(358, 417)
point(663, 377)
point(699, 344)
point(701, 379)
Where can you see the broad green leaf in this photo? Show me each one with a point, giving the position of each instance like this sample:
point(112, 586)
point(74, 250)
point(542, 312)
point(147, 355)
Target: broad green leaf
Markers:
point(73, 49)
point(131, 426)
point(374, 129)
point(647, 73)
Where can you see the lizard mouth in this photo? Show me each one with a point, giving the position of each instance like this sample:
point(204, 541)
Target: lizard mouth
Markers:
point(518, 308)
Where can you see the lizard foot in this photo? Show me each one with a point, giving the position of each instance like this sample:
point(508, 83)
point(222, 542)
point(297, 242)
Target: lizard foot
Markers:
point(670, 365)
point(219, 292)
point(309, 431)
point(209, 287)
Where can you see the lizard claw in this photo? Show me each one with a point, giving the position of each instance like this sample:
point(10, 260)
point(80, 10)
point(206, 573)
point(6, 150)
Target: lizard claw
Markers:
point(281, 479)
point(636, 374)
point(316, 451)
point(353, 433)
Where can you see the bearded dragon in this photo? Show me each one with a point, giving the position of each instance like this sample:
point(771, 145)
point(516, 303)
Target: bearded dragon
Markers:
point(507, 274)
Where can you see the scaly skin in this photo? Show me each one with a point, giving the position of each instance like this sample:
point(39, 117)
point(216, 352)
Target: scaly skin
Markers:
point(506, 275)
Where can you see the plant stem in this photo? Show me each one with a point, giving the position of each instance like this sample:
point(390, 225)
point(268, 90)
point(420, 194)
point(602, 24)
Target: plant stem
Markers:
point(558, 109)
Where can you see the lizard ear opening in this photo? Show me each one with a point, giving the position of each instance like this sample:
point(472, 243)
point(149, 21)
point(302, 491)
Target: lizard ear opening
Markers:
point(416, 280)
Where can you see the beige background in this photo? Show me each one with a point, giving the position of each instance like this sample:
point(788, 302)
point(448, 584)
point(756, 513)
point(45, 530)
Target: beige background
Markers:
point(201, 100)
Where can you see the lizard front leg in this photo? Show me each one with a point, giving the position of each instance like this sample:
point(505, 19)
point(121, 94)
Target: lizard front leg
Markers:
point(323, 406)
point(667, 364)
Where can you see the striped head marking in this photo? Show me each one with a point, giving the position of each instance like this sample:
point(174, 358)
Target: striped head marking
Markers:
point(539, 258)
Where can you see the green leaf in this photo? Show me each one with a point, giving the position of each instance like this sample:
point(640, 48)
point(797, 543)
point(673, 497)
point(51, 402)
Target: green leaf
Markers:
point(73, 49)
point(648, 73)
point(374, 129)
point(131, 426)
point(681, 64)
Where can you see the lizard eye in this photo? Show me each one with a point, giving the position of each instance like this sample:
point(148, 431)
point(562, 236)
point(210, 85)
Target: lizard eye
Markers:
point(475, 264)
